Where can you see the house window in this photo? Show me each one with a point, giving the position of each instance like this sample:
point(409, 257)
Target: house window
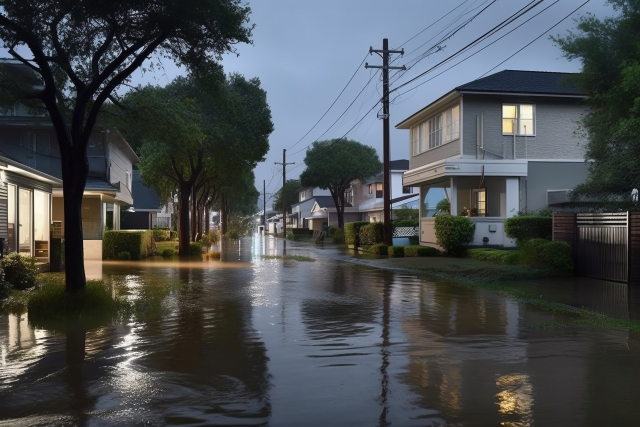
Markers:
point(440, 129)
point(518, 119)
point(480, 201)
point(378, 190)
point(348, 197)
point(370, 188)
point(407, 190)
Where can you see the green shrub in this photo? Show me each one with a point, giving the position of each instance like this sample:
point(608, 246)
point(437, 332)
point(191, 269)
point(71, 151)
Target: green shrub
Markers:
point(20, 271)
point(557, 255)
point(5, 289)
point(301, 231)
point(173, 235)
point(139, 244)
point(523, 228)
point(338, 236)
point(396, 251)
point(352, 231)
point(371, 234)
point(378, 249)
point(406, 213)
point(124, 256)
point(214, 255)
point(195, 248)
point(167, 253)
point(332, 231)
point(405, 223)
point(510, 257)
point(413, 240)
point(161, 234)
point(453, 232)
point(417, 250)
point(290, 235)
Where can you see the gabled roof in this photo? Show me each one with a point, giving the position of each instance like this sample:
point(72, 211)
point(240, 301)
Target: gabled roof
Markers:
point(520, 81)
point(399, 165)
point(327, 202)
point(100, 185)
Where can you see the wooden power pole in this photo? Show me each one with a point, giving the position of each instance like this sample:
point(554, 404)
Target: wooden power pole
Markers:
point(284, 193)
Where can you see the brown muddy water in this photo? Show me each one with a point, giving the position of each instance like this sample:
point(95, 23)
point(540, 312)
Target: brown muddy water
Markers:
point(328, 343)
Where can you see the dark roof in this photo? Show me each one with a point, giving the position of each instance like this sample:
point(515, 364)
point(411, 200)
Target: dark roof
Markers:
point(399, 165)
point(327, 202)
point(517, 81)
point(98, 184)
point(405, 197)
point(144, 197)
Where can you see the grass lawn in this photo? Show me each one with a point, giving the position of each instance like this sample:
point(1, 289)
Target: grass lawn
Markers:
point(161, 246)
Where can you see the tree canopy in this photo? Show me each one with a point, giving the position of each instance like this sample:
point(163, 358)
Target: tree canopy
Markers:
point(82, 51)
point(335, 163)
point(610, 57)
point(291, 188)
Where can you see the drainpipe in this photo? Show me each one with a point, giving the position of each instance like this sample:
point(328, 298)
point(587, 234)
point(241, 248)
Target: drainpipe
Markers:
point(514, 140)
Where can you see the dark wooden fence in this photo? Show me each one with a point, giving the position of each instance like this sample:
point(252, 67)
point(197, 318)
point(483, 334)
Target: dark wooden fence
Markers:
point(605, 245)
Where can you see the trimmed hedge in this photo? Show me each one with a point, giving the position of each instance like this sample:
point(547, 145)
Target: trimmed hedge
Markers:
point(417, 250)
point(486, 254)
point(338, 237)
point(332, 231)
point(453, 232)
point(195, 248)
point(19, 271)
point(523, 228)
point(378, 249)
point(352, 231)
point(124, 256)
point(167, 253)
point(396, 251)
point(300, 231)
point(371, 234)
point(557, 255)
point(139, 244)
point(161, 234)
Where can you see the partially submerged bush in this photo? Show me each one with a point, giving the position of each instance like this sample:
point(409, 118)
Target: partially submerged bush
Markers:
point(378, 249)
point(510, 257)
point(161, 234)
point(167, 253)
point(212, 237)
point(396, 251)
point(139, 244)
point(124, 256)
point(453, 232)
point(557, 255)
point(195, 248)
point(332, 231)
point(338, 237)
point(352, 231)
point(417, 250)
point(20, 271)
point(523, 228)
point(214, 255)
point(290, 235)
point(371, 234)
point(405, 223)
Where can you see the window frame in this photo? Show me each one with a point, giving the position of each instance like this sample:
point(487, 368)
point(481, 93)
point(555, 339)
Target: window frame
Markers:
point(379, 190)
point(518, 104)
point(475, 200)
point(421, 135)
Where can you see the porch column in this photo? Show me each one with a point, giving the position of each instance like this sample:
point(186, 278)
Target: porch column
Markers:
point(453, 197)
point(513, 196)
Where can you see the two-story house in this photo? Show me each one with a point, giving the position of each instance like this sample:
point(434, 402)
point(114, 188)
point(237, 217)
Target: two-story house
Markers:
point(495, 146)
point(316, 210)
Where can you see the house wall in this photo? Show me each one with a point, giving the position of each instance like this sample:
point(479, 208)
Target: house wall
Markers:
point(543, 176)
point(92, 216)
point(4, 232)
point(555, 122)
point(120, 166)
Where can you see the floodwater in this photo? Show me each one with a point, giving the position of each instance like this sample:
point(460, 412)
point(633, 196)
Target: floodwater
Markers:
point(329, 343)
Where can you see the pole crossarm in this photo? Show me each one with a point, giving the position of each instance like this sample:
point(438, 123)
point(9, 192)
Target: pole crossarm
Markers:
point(284, 195)
point(389, 67)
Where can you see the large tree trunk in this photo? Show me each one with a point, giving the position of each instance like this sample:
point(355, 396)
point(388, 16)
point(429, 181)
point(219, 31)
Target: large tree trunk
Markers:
point(206, 220)
point(74, 177)
point(339, 209)
point(183, 199)
point(194, 215)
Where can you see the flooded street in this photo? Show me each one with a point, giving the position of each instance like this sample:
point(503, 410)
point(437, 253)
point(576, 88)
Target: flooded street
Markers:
point(325, 343)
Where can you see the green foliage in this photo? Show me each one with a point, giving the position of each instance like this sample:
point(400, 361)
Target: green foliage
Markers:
point(123, 256)
point(214, 255)
point(290, 191)
point(405, 223)
point(210, 238)
point(239, 226)
point(510, 257)
point(139, 244)
point(426, 251)
point(290, 235)
point(536, 212)
point(338, 237)
point(161, 234)
point(396, 251)
point(608, 51)
point(557, 255)
point(335, 163)
point(523, 228)
point(443, 206)
point(20, 271)
point(352, 232)
point(378, 249)
point(195, 248)
point(371, 234)
point(406, 214)
point(174, 234)
point(414, 241)
point(332, 231)
point(168, 253)
point(453, 232)
point(5, 289)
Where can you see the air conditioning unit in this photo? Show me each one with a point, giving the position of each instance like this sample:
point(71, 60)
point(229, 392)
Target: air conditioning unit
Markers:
point(557, 197)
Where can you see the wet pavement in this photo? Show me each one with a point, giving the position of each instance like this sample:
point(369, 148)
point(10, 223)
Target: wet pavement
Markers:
point(328, 343)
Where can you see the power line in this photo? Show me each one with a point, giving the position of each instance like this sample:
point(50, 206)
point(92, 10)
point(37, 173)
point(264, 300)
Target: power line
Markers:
point(532, 41)
point(333, 103)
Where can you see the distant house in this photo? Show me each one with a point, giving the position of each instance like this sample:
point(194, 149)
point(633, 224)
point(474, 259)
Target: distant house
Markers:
point(301, 211)
point(495, 146)
point(148, 209)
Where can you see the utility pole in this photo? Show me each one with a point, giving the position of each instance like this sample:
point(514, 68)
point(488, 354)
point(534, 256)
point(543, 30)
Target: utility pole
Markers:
point(264, 202)
point(284, 193)
point(386, 189)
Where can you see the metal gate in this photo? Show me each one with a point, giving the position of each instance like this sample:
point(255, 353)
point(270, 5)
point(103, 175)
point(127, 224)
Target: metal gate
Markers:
point(602, 246)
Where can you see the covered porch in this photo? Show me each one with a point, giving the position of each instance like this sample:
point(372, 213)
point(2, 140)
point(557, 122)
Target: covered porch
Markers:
point(487, 192)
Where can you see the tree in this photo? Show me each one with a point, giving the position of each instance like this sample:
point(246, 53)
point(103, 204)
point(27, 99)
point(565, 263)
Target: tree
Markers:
point(608, 50)
point(82, 51)
point(334, 164)
point(291, 188)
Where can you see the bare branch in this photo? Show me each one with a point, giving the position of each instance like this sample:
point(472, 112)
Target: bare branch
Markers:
point(24, 61)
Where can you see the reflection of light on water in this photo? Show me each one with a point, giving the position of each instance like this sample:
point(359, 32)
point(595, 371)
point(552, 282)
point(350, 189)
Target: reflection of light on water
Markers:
point(28, 343)
point(516, 398)
point(450, 389)
point(482, 311)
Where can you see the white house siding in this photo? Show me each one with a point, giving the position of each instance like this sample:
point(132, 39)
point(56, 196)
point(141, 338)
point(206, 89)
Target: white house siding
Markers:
point(445, 151)
point(555, 125)
point(119, 167)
